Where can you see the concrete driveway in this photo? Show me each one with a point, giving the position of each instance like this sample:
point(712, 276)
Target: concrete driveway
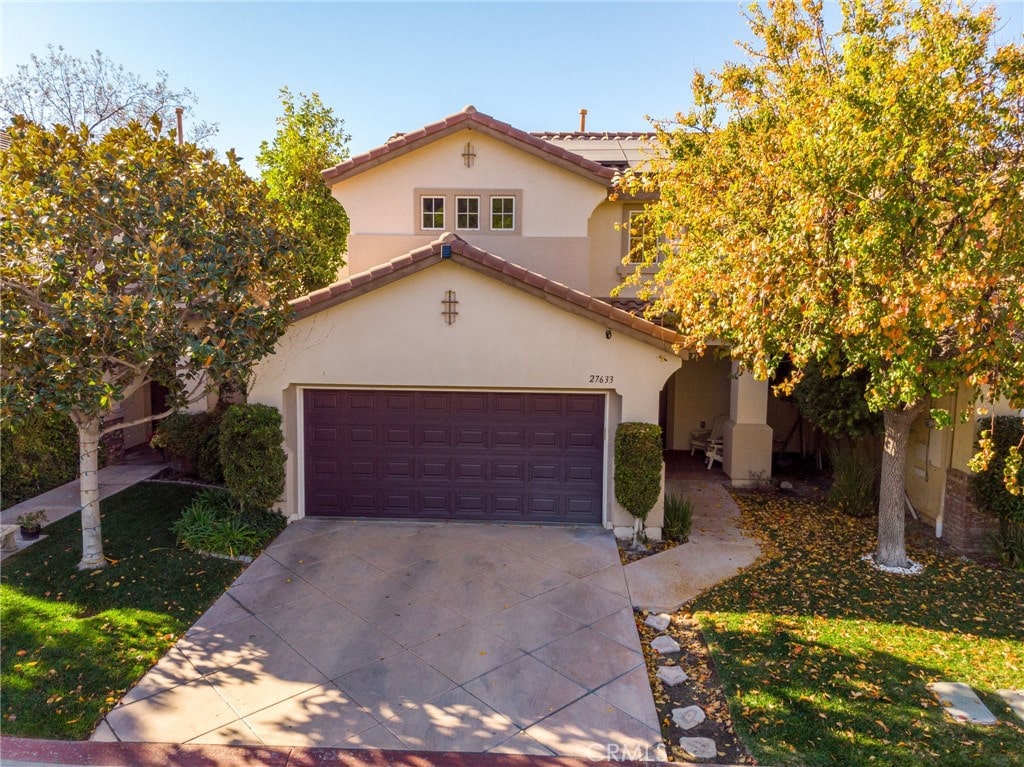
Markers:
point(411, 635)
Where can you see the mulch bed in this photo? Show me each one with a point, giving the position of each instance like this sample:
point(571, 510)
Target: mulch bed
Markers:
point(628, 554)
point(703, 689)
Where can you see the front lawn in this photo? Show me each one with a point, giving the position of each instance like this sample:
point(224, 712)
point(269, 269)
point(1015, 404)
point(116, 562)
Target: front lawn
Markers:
point(75, 642)
point(825, 660)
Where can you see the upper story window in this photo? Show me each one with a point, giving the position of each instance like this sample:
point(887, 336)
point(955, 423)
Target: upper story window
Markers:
point(467, 212)
point(432, 212)
point(470, 210)
point(503, 213)
point(638, 243)
point(637, 230)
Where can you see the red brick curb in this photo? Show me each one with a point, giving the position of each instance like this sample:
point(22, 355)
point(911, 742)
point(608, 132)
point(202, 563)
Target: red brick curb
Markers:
point(86, 753)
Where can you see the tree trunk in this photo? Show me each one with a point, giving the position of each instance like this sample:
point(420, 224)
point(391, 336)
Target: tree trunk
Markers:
point(89, 491)
point(638, 531)
point(892, 549)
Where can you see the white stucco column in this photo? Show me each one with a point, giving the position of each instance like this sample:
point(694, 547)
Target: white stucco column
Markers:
point(748, 437)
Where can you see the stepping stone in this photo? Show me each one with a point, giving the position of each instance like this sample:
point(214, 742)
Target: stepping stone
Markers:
point(688, 717)
point(664, 645)
point(961, 703)
point(1014, 699)
point(658, 622)
point(671, 675)
point(699, 748)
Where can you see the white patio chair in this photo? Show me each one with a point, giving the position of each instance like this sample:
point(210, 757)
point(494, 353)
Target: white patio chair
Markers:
point(709, 441)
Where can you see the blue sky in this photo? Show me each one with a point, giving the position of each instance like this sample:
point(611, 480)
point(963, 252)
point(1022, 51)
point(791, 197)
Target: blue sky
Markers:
point(387, 67)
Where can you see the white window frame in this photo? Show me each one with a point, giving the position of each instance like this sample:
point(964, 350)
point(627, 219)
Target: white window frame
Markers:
point(492, 214)
point(433, 213)
point(458, 213)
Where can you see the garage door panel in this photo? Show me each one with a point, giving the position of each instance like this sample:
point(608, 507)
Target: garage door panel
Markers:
point(581, 473)
point(543, 472)
point(433, 437)
point(397, 437)
point(365, 435)
point(356, 400)
point(509, 404)
point(322, 434)
point(583, 440)
point(433, 505)
point(470, 471)
point(466, 455)
point(507, 472)
point(475, 438)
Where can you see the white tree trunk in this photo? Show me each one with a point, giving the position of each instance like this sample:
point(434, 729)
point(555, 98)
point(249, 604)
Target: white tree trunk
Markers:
point(638, 532)
point(89, 491)
point(892, 549)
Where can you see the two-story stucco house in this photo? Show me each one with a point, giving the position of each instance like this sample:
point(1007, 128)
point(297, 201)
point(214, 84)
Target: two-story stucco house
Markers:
point(470, 363)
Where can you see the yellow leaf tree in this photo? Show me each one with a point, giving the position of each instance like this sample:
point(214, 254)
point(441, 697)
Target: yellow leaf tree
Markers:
point(853, 197)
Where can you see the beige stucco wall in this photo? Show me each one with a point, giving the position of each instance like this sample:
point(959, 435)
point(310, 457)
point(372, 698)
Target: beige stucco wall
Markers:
point(503, 338)
point(562, 259)
point(555, 206)
point(698, 391)
point(931, 452)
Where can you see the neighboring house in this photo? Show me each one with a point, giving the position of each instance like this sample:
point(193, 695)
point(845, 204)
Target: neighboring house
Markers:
point(470, 362)
point(938, 478)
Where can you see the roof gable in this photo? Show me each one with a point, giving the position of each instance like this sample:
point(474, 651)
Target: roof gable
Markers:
point(470, 119)
point(454, 248)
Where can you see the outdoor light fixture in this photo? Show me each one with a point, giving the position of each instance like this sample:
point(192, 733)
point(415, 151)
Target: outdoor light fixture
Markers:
point(608, 333)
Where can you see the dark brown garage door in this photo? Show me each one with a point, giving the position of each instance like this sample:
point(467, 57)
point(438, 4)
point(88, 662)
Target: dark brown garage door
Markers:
point(454, 455)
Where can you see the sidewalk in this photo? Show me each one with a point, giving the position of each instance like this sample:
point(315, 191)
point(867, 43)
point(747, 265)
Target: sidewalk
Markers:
point(64, 501)
point(717, 550)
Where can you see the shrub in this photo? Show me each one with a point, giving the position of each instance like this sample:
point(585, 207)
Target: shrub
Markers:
point(213, 522)
point(252, 456)
point(38, 453)
point(835, 403)
point(638, 462)
point(678, 518)
point(992, 497)
point(854, 489)
point(193, 439)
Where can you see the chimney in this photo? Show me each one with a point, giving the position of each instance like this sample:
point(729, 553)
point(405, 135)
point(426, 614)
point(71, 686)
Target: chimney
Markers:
point(181, 136)
point(583, 121)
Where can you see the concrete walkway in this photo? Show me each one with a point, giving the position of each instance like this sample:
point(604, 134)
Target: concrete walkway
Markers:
point(425, 636)
point(717, 550)
point(64, 501)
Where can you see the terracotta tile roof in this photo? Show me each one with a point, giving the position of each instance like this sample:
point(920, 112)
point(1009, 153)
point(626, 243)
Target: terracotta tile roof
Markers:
point(402, 143)
point(493, 266)
point(5, 140)
point(595, 135)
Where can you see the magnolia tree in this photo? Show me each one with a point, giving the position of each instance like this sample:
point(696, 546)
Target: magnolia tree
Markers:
point(309, 138)
point(126, 260)
point(856, 198)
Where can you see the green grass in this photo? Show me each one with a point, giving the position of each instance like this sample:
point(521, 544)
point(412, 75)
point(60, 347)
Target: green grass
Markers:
point(74, 642)
point(825, 660)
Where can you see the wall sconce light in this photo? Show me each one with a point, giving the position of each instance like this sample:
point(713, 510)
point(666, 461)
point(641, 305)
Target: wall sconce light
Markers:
point(469, 155)
point(608, 333)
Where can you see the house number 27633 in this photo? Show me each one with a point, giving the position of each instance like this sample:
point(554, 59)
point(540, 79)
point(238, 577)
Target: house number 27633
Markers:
point(599, 379)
